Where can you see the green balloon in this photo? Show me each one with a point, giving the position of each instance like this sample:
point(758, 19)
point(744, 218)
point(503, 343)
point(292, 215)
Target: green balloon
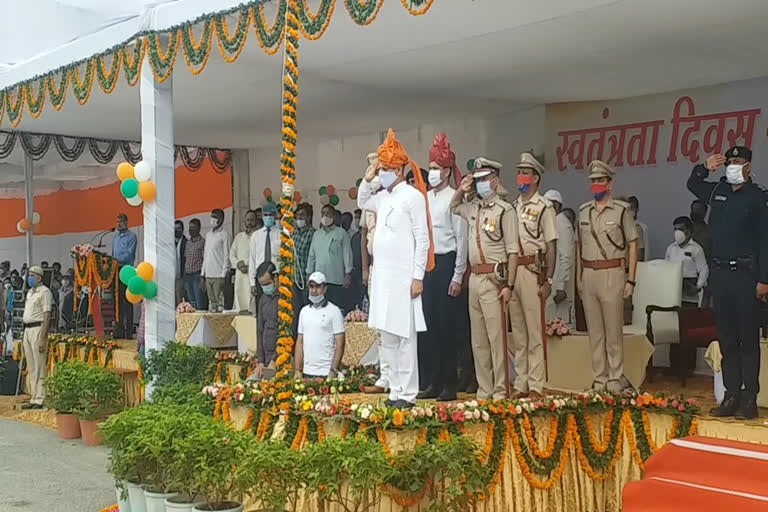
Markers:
point(137, 285)
point(334, 199)
point(323, 190)
point(471, 164)
point(358, 182)
point(129, 188)
point(150, 290)
point(126, 274)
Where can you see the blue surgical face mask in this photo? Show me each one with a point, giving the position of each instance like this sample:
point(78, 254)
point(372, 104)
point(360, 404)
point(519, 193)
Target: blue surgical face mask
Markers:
point(484, 189)
point(269, 221)
point(32, 280)
point(269, 289)
point(387, 178)
point(316, 299)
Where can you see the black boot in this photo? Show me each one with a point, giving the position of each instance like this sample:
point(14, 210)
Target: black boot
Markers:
point(447, 395)
point(747, 409)
point(430, 393)
point(472, 388)
point(727, 408)
point(464, 382)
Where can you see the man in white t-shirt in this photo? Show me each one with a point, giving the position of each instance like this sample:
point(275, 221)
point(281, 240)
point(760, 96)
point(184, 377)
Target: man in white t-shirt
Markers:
point(320, 345)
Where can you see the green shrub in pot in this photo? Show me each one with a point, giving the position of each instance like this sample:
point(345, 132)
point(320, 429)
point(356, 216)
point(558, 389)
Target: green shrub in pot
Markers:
point(179, 363)
point(186, 395)
point(100, 392)
point(63, 387)
point(272, 474)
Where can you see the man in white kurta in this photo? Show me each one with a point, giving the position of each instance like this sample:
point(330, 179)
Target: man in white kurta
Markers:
point(239, 258)
point(400, 252)
point(560, 302)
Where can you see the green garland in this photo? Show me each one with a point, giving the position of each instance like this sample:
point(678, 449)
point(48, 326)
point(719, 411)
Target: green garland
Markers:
point(315, 26)
point(643, 446)
point(107, 81)
point(36, 104)
point(162, 66)
point(59, 94)
point(361, 12)
point(82, 91)
point(271, 39)
point(541, 465)
point(601, 461)
point(197, 57)
point(132, 60)
point(233, 43)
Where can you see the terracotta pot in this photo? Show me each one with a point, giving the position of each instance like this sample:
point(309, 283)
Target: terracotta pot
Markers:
point(91, 434)
point(68, 425)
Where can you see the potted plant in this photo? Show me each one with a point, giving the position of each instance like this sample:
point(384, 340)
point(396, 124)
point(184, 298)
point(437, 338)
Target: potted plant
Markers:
point(186, 395)
point(178, 363)
point(100, 393)
point(62, 388)
point(272, 475)
point(346, 472)
point(215, 451)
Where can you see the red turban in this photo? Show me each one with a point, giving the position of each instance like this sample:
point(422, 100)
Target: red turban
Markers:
point(442, 155)
point(392, 155)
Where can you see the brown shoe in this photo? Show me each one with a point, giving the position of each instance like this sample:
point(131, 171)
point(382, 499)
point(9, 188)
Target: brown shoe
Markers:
point(373, 389)
point(517, 395)
point(535, 395)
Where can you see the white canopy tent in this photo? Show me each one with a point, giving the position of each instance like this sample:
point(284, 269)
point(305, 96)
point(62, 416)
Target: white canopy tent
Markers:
point(461, 59)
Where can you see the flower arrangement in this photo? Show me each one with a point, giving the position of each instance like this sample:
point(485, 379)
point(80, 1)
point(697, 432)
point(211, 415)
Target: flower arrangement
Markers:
point(82, 250)
point(185, 307)
point(356, 316)
point(558, 327)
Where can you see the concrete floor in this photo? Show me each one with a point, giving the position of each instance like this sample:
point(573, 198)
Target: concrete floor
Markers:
point(41, 473)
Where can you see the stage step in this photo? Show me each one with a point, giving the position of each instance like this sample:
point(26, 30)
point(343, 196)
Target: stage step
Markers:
point(700, 473)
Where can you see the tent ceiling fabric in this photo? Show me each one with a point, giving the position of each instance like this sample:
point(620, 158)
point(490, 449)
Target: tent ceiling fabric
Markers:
point(461, 59)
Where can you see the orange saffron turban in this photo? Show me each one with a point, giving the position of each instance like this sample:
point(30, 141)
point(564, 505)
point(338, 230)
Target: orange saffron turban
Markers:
point(392, 155)
point(442, 155)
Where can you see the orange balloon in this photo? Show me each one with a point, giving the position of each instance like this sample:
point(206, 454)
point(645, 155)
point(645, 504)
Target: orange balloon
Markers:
point(145, 271)
point(147, 191)
point(25, 224)
point(267, 192)
point(133, 299)
point(352, 193)
point(330, 190)
point(125, 171)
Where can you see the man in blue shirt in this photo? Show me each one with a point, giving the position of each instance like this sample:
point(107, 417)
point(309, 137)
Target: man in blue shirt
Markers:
point(124, 251)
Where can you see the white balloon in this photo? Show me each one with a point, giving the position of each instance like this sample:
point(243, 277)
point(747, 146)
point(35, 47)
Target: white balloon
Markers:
point(18, 227)
point(35, 218)
point(142, 171)
point(135, 200)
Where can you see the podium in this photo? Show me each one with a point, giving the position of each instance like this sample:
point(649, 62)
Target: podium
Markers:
point(98, 272)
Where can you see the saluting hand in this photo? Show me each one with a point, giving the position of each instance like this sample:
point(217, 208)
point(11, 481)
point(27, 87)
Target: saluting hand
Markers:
point(761, 290)
point(371, 172)
point(714, 162)
point(466, 183)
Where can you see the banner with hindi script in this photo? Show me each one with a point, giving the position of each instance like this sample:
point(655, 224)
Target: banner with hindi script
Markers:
point(653, 142)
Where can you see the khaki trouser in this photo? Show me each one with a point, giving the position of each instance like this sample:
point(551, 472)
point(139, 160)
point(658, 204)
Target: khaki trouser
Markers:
point(525, 314)
point(487, 342)
point(602, 295)
point(214, 287)
point(36, 363)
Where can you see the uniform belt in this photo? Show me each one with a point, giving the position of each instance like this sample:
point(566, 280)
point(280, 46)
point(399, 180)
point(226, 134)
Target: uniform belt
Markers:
point(32, 324)
point(484, 268)
point(526, 260)
point(733, 264)
point(603, 264)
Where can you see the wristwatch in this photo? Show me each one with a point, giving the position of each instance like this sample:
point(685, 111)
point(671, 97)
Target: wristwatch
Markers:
point(510, 286)
point(549, 280)
point(631, 282)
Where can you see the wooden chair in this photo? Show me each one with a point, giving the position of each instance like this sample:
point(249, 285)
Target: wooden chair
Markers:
point(697, 329)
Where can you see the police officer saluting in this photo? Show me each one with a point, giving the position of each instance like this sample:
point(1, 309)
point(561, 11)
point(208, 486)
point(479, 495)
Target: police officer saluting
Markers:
point(739, 272)
point(492, 235)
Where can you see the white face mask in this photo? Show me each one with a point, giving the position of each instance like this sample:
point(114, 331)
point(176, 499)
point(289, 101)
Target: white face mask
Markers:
point(484, 189)
point(679, 237)
point(326, 221)
point(387, 178)
point(214, 222)
point(435, 177)
point(301, 223)
point(734, 174)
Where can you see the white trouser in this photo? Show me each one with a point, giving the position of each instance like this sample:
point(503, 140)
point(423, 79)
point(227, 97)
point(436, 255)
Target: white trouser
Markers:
point(36, 363)
point(384, 369)
point(400, 357)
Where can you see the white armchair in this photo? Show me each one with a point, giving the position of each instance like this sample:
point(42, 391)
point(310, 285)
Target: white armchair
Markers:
point(660, 284)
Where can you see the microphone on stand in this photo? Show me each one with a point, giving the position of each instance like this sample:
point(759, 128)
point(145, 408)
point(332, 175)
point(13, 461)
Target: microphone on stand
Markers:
point(101, 235)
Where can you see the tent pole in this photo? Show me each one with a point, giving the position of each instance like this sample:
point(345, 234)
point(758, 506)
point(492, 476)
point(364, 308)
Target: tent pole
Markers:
point(159, 248)
point(29, 199)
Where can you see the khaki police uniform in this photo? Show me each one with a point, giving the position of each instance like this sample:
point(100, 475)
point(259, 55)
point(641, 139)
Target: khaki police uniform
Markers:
point(492, 236)
point(536, 227)
point(38, 302)
point(604, 236)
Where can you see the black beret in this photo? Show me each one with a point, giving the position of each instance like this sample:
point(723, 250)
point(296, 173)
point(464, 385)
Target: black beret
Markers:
point(739, 152)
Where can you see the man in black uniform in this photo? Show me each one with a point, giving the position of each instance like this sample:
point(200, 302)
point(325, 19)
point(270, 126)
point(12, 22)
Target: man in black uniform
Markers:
point(739, 272)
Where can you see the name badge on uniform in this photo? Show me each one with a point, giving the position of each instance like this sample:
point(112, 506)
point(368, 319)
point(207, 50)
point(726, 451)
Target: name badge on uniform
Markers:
point(584, 223)
point(718, 197)
point(610, 223)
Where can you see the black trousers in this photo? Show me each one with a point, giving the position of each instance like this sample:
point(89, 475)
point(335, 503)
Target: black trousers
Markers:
point(466, 361)
point(338, 295)
point(438, 346)
point(124, 327)
point(737, 312)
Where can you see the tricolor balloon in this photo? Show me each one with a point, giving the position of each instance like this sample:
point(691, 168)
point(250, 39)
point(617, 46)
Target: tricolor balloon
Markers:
point(135, 185)
point(139, 282)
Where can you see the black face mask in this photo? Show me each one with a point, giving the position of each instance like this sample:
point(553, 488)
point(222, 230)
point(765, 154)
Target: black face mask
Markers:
point(697, 217)
point(179, 233)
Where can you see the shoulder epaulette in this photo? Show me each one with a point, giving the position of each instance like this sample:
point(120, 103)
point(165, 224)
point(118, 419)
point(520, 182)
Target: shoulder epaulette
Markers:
point(585, 205)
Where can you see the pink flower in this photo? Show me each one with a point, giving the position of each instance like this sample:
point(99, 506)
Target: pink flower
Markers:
point(681, 407)
point(457, 416)
point(691, 401)
point(674, 403)
point(623, 401)
point(311, 392)
point(664, 403)
point(324, 390)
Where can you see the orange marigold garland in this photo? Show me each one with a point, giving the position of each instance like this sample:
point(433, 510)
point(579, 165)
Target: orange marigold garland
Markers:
point(249, 420)
point(597, 446)
point(417, 7)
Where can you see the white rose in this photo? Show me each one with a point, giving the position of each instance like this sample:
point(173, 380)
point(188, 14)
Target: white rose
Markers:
point(518, 409)
point(428, 412)
point(476, 414)
point(473, 403)
point(365, 413)
point(486, 416)
point(467, 415)
point(354, 407)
